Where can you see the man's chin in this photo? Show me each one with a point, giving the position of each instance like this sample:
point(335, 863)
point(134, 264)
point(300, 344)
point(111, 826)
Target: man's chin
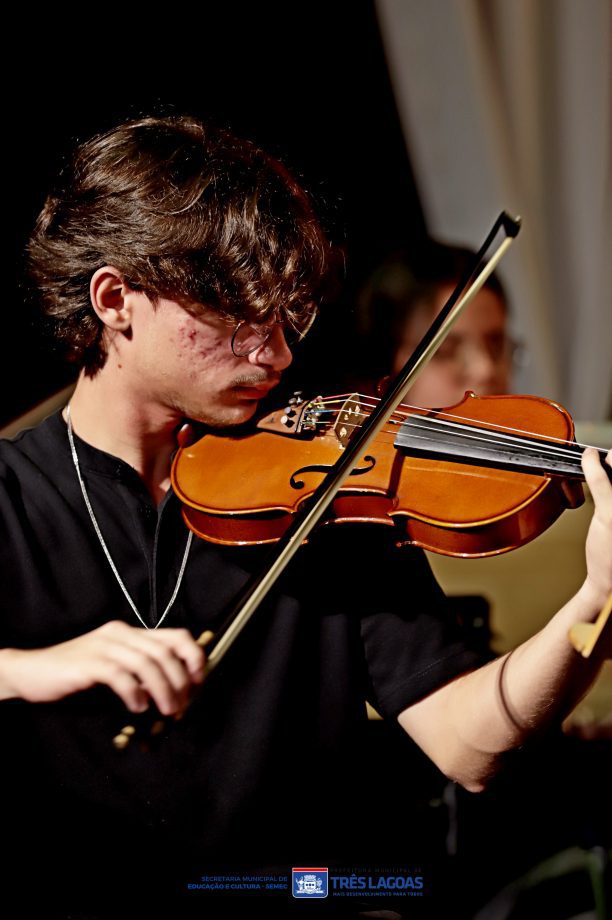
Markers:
point(227, 416)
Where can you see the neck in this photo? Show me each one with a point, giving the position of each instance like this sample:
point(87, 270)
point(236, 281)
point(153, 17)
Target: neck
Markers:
point(107, 415)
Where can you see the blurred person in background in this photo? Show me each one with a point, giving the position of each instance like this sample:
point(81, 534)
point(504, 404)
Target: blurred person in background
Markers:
point(397, 303)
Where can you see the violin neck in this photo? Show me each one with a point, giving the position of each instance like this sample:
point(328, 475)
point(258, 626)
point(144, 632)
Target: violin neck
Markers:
point(461, 443)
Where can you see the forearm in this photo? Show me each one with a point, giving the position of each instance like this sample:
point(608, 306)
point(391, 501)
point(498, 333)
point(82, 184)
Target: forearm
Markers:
point(467, 725)
point(501, 705)
point(9, 664)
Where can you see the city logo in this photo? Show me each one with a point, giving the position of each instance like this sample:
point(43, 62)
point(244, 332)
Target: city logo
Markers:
point(309, 883)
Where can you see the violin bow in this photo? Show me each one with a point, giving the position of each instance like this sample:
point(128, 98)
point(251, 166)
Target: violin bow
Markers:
point(219, 642)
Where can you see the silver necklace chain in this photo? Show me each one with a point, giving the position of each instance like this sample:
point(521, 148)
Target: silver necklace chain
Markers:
point(96, 526)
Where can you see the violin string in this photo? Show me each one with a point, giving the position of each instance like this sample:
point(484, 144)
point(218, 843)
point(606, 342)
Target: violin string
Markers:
point(481, 434)
point(545, 452)
point(484, 436)
point(447, 415)
point(478, 424)
point(441, 417)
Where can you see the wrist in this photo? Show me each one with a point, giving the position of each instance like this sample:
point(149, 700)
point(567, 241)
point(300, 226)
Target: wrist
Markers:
point(591, 600)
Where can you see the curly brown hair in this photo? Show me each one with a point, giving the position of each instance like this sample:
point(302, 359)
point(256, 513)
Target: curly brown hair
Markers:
point(181, 209)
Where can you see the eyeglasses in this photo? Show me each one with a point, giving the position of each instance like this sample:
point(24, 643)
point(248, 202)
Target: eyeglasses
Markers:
point(248, 337)
point(499, 348)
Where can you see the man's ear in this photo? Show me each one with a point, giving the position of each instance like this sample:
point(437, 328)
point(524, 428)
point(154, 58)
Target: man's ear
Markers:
point(108, 292)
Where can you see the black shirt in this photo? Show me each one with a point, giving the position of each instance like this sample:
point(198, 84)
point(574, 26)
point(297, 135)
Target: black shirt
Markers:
point(273, 738)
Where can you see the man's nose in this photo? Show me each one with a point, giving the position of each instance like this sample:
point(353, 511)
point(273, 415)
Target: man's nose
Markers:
point(274, 353)
point(484, 373)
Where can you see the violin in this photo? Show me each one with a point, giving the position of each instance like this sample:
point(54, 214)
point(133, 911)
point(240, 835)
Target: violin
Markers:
point(475, 479)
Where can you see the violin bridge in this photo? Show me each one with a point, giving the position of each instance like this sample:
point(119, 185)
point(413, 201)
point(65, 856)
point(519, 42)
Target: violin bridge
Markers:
point(350, 417)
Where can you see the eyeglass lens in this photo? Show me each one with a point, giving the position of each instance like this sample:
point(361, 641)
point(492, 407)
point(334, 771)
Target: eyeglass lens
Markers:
point(249, 336)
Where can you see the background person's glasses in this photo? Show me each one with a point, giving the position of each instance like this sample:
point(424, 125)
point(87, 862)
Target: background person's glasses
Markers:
point(498, 348)
point(248, 337)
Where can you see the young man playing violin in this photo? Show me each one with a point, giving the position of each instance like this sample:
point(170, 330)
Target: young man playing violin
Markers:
point(178, 264)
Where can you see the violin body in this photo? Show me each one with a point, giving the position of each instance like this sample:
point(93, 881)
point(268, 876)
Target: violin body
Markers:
point(245, 489)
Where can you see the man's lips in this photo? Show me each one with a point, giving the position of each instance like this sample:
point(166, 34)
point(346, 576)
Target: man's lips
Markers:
point(254, 392)
point(255, 389)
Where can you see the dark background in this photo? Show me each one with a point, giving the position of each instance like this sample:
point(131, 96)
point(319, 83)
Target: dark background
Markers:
point(308, 82)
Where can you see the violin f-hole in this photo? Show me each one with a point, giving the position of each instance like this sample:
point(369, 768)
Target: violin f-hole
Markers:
point(325, 468)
